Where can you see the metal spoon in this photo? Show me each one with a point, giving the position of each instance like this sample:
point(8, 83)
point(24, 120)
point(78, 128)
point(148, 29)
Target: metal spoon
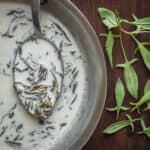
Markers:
point(38, 85)
point(35, 8)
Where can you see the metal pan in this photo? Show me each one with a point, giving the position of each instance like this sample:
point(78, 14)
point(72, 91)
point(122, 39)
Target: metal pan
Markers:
point(75, 22)
point(87, 40)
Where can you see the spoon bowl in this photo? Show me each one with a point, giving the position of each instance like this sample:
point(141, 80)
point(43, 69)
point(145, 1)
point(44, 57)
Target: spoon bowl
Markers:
point(38, 70)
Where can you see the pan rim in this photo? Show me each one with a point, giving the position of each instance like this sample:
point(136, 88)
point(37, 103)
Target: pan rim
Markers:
point(84, 139)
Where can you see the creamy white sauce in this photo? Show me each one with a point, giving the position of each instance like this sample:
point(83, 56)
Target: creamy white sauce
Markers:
point(38, 75)
point(33, 135)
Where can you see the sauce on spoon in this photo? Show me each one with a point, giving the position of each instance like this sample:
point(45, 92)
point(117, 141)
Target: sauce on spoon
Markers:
point(36, 80)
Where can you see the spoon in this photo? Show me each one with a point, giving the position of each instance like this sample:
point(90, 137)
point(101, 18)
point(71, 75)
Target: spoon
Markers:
point(38, 77)
point(35, 8)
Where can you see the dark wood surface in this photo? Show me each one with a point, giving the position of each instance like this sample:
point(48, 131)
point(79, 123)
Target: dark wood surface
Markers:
point(124, 140)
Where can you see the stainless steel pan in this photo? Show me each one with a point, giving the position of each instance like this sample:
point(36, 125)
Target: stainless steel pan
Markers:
point(86, 39)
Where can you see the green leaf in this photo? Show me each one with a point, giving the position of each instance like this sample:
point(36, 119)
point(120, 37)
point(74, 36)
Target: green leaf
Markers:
point(142, 101)
point(119, 96)
point(124, 108)
point(133, 104)
point(143, 124)
point(146, 43)
point(119, 92)
point(147, 89)
point(145, 130)
point(145, 53)
point(121, 65)
point(109, 18)
point(117, 126)
point(147, 107)
point(112, 109)
point(131, 79)
point(109, 47)
point(133, 61)
point(142, 23)
point(116, 108)
point(130, 120)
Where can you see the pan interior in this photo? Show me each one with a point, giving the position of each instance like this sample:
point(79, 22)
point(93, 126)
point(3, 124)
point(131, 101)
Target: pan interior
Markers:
point(84, 85)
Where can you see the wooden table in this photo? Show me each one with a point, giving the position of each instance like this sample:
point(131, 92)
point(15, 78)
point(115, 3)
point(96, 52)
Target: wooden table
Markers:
point(124, 140)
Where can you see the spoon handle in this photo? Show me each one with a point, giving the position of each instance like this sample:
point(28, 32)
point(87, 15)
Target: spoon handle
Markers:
point(35, 8)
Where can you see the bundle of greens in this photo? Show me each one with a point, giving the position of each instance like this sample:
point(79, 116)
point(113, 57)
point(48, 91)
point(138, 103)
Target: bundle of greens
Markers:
point(142, 25)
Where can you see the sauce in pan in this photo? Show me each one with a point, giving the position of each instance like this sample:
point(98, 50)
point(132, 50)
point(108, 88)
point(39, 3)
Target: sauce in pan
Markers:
point(63, 81)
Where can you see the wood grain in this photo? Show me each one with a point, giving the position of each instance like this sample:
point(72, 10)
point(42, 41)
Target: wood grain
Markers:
point(124, 140)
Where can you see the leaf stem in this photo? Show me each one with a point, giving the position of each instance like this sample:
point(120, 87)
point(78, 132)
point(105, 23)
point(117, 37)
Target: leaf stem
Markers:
point(133, 32)
point(139, 32)
point(121, 43)
point(128, 22)
point(134, 38)
point(124, 31)
point(105, 35)
point(146, 43)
